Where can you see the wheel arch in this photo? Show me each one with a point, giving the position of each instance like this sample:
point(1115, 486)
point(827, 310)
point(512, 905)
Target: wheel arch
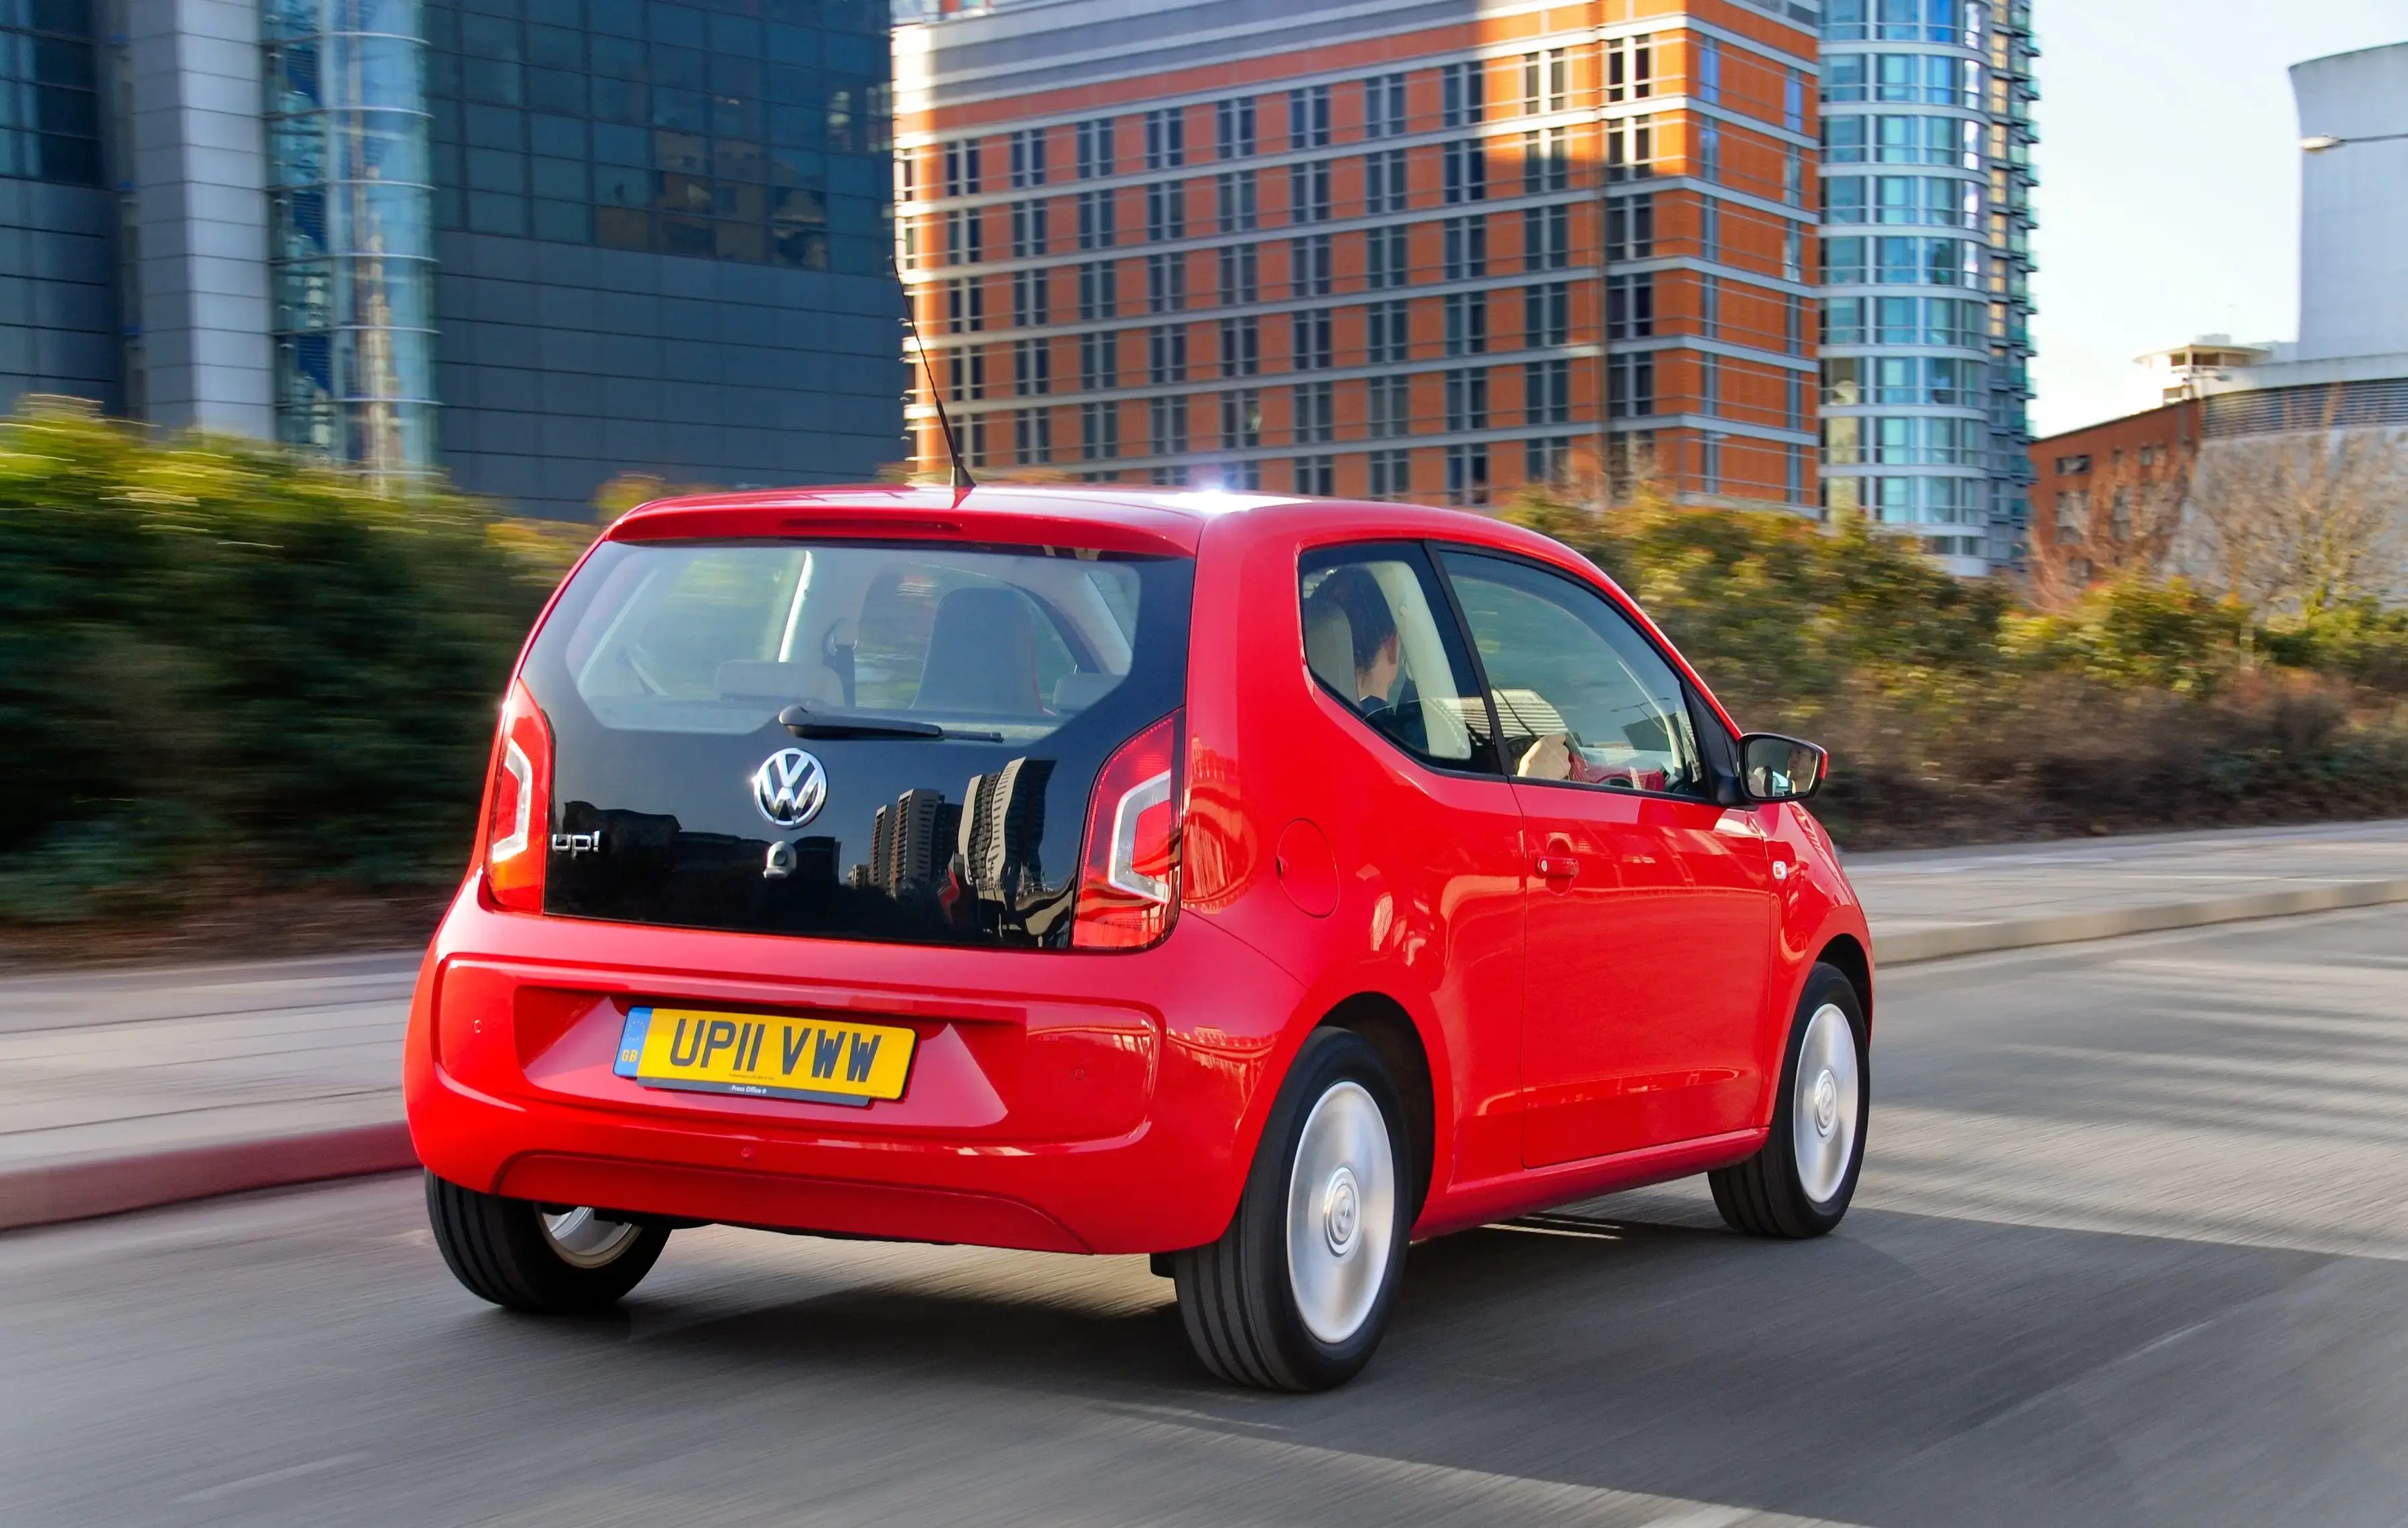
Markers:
point(1384, 1024)
point(1846, 954)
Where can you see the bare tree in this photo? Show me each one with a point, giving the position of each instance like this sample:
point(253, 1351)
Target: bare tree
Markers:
point(2124, 520)
point(2294, 523)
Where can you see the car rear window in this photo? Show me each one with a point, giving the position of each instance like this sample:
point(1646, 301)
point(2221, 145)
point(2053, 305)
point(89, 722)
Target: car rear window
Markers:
point(959, 702)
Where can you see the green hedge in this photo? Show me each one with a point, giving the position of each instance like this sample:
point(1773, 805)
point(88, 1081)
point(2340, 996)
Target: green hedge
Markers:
point(220, 667)
point(1958, 713)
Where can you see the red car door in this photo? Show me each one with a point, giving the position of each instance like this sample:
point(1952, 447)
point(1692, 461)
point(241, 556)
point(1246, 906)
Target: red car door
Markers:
point(1650, 909)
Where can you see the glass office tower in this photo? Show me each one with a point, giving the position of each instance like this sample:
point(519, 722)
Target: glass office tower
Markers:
point(1927, 259)
point(350, 228)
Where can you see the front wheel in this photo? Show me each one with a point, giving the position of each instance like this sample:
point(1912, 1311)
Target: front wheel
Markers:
point(1799, 1183)
point(543, 1259)
point(1298, 1291)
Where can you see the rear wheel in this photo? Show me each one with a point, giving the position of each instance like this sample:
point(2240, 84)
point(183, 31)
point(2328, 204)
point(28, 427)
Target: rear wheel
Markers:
point(1298, 1291)
point(545, 1258)
point(1799, 1183)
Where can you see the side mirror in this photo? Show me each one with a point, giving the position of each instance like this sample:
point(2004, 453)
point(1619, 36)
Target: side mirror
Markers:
point(1775, 768)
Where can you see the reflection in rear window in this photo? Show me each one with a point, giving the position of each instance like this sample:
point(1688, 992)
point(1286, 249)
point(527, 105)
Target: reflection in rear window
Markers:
point(716, 637)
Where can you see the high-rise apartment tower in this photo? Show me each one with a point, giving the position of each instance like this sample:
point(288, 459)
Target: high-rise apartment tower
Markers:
point(1927, 266)
point(1428, 251)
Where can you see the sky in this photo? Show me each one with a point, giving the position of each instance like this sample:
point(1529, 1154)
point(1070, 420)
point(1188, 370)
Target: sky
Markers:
point(2169, 199)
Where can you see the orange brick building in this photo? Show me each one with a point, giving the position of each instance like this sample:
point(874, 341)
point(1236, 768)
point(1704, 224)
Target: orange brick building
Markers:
point(1430, 251)
point(2108, 497)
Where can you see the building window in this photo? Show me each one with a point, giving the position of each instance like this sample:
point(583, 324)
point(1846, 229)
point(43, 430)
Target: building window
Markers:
point(1465, 244)
point(1467, 323)
point(1235, 191)
point(1032, 436)
point(1309, 265)
point(963, 244)
point(1385, 259)
point(1710, 384)
point(1466, 474)
point(1309, 336)
point(1241, 419)
point(1630, 306)
point(1709, 230)
point(964, 307)
point(1092, 141)
point(1383, 106)
point(1165, 283)
point(2072, 514)
point(1387, 338)
point(1630, 149)
point(1166, 211)
point(1233, 123)
point(1709, 307)
point(1032, 368)
point(1241, 346)
point(1099, 431)
point(1545, 83)
point(1095, 219)
point(1547, 315)
point(1388, 406)
point(1315, 411)
point(1384, 181)
point(1098, 290)
point(1242, 475)
point(1467, 399)
point(1307, 117)
point(1546, 238)
point(1463, 94)
point(1710, 153)
point(1547, 458)
point(1392, 475)
point(1167, 420)
point(1316, 475)
point(1099, 369)
point(1546, 161)
point(1028, 157)
point(1793, 103)
point(1030, 309)
point(1709, 464)
point(1630, 386)
point(1547, 391)
point(962, 177)
point(1630, 228)
point(1464, 171)
point(1027, 229)
point(967, 367)
point(1629, 69)
point(1166, 138)
point(1165, 354)
point(1710, 71)
point(1308, 192)
point(1239, 272)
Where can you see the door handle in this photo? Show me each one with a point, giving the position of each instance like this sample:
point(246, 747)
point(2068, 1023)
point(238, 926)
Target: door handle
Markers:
point(1556, 868)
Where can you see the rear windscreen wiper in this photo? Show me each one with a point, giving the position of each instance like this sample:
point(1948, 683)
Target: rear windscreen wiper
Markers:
point(807, 721)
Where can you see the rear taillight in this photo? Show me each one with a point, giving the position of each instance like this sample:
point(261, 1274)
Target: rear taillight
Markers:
point(518, 805)
point(1128, 872)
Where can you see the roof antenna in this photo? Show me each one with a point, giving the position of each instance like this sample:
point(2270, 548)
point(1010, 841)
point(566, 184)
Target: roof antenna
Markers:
point(962, 481)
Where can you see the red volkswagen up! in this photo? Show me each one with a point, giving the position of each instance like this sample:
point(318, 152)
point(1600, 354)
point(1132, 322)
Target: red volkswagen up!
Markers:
point(1258, 884)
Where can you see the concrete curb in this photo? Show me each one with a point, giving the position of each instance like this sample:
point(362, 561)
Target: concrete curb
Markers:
point(1914, 944)
point(79, 1190)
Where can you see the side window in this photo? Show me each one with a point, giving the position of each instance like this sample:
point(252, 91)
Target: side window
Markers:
point(1373, 640)
point(1581, 695)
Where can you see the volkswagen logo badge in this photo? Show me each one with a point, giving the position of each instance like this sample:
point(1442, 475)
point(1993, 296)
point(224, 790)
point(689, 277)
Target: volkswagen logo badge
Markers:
point(790, 787)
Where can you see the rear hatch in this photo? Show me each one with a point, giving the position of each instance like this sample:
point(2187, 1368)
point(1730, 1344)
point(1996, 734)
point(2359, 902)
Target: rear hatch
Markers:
point(845, 738)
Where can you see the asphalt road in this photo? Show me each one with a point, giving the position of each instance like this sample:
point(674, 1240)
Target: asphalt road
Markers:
point(2133, 1249)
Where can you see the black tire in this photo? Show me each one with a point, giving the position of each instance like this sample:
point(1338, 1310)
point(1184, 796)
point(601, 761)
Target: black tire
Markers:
point(500, 1249)
point(1768, 1194)
point(1235, 1295)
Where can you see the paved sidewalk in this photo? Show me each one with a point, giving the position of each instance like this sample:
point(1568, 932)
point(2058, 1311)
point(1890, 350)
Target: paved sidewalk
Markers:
point(120, 1088)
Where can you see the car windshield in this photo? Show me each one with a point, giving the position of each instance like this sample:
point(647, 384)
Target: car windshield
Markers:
point(717, 637)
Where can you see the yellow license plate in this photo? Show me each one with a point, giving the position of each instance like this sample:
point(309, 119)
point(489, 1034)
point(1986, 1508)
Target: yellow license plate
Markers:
point(764, 1056)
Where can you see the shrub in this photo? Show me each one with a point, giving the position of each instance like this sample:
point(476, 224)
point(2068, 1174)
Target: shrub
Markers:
point(219, 664)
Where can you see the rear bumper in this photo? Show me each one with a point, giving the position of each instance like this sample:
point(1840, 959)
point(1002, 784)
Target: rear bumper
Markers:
point(1061, 1100)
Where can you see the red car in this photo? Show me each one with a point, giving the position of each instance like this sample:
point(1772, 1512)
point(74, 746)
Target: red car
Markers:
point(1255, 882)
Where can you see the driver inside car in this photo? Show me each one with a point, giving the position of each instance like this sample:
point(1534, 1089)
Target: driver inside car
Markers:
point(1353, 595)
